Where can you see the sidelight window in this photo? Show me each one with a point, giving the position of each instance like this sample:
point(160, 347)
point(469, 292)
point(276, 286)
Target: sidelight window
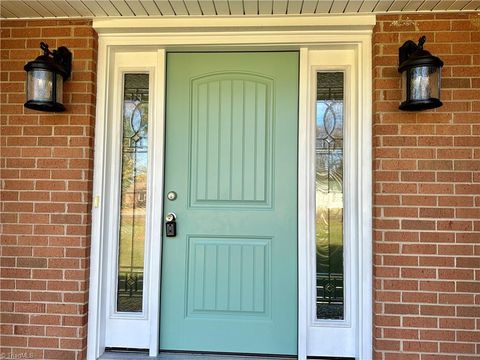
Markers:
point(130, 271)
point(329, 236)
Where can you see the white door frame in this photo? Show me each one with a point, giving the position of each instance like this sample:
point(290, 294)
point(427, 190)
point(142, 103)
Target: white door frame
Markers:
point(302, 33)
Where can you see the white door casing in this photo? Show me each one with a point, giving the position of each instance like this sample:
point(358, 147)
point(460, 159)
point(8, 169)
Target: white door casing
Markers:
point(323, 333)
point(340, 43)
point(127, 329)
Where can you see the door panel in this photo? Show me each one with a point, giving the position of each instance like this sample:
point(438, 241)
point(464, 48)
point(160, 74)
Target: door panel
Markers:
point(231, 140)
point(229, 277)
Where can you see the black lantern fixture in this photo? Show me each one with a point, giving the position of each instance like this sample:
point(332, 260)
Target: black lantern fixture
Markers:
point(421, 77)
point(45, 76)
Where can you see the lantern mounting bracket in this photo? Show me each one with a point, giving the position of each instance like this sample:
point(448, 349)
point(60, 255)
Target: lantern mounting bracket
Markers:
point(62, 56)
point(409, 47)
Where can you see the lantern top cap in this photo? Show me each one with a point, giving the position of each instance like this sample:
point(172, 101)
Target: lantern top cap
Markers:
point(412, 55)
point(59, 61)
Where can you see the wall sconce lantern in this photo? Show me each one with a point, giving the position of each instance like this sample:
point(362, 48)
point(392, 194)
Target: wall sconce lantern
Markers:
point(421, 77)
point(45, 76)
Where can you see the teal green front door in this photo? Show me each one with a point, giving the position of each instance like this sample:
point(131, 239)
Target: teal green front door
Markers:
point(229, 276)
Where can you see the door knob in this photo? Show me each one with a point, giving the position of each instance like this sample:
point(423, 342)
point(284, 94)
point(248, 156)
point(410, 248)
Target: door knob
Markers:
point(170, 225)
point(170, 217)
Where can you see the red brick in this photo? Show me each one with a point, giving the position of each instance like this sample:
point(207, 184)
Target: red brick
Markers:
point(400, 212)
point(391, 284)
point(387, 345)
point(74, 320)
point(468, 311)
point(417, 129)
point(32, 262)
point(469, 165)
point(400, 260)
point(456, 249)
point(473, 141)
point(45, 296)
point(438, 261)
point(387, 199)
point(435, 165)
point(437, 212)
point(454, 225)
point(468, 287)
point(419, 322)
point(468, 336)
point(420, 346)
point(467, 237)
point(437, 335)
point(438, 286)
point(435, 141)
point(60, 354)
point(418, 176)
point(454, 154)
point(458, 274)
point(400, 333)
point(456, 201)
point(45, 319)
point(457, 323)
point(401, 236)
point(387, 176)
point(443, 189)
point(437, 310)
point(467, 188)
point(64, 263)
point(43, 342)
point(455, 299)
point(14, 341)
point(389, 321)
point(468, 262)
point(29, 330)
point(417, 297)
point(14, 318)
point(437, 237)
point(418, 225)
point(420, 200)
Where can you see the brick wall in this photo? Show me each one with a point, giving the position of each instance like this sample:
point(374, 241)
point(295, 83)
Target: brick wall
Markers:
point(46, 178)
point(427, 196)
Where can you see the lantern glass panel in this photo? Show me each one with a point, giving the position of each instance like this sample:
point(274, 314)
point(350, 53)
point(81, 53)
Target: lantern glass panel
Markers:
point(59, 89)
point(404, 86)
point(422, 83)
point(40, 85)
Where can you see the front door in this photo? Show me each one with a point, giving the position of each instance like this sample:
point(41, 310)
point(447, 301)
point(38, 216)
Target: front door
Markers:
point(229, 275)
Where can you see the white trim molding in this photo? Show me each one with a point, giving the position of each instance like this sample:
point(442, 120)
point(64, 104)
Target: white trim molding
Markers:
point(192, 24)
point(306, 34)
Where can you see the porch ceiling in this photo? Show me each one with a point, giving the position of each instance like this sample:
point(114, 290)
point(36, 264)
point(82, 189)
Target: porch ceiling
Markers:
point(158, 8)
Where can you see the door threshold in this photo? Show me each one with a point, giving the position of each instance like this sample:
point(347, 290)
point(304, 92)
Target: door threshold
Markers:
point(141, 355)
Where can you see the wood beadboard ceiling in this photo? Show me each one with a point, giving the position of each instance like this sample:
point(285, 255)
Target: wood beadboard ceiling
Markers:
point(156, 8)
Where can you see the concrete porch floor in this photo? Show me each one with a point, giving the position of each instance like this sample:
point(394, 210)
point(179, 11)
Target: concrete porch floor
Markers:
point(119, 355)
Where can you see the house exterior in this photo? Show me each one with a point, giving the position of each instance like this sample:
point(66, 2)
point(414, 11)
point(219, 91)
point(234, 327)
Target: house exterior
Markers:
point(405, 284)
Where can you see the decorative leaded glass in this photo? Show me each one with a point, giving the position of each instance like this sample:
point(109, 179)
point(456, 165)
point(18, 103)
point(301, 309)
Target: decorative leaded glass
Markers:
point(329, 196)
point(133, 194)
